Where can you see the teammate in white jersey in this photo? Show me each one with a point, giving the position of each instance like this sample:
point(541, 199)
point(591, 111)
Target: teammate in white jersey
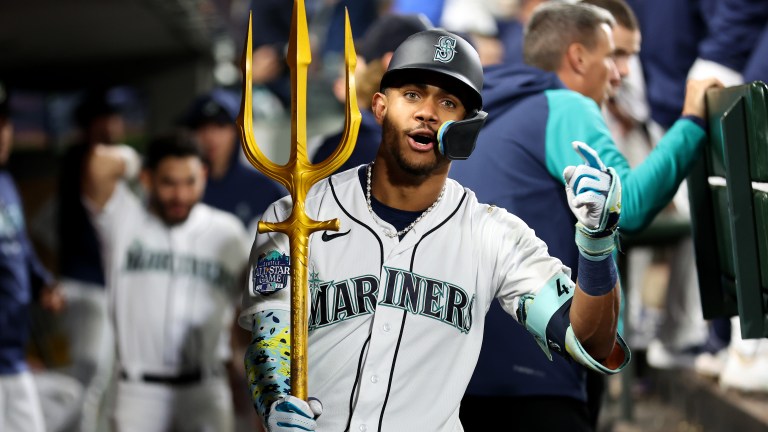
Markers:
point(399, 293)
point(172, 272)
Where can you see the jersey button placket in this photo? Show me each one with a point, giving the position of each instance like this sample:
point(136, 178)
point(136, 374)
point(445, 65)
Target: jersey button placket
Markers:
point(378, 362)
point(363, 428)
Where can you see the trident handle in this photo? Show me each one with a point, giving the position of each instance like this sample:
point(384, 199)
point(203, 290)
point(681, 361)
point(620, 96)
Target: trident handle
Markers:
point(298, 175)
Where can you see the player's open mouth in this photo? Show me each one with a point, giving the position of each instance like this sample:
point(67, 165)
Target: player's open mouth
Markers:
point(422, 139)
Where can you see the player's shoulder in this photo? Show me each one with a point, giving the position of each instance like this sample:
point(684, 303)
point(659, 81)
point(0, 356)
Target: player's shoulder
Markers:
point(490, 218)
point(221, 223)
point(278, 210)
point(569, 100)
point(319, 193)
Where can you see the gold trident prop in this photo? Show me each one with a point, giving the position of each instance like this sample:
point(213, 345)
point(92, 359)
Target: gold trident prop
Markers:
point(298, 175)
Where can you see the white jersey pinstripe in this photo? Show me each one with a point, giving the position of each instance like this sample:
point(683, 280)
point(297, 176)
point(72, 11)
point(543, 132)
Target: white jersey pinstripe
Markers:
point(396, 325)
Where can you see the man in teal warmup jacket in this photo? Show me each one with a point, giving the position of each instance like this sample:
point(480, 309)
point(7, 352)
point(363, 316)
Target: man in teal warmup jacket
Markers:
point(534, 114)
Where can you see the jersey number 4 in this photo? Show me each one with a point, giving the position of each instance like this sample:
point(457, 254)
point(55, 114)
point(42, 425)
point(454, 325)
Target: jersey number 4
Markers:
point(561, 289)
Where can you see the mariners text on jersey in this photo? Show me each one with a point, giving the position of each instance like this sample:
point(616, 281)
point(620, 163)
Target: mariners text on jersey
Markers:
point(382, 310)
point(139, 258)
point(333, 302)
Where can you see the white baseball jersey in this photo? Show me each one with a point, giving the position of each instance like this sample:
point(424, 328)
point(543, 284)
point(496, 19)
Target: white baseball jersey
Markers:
point(396, 325)
point(172, 288)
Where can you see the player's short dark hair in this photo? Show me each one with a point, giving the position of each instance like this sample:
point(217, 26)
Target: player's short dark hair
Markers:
point(177, 145)
point(620, 10)
point(555, 25)
point(99, 102)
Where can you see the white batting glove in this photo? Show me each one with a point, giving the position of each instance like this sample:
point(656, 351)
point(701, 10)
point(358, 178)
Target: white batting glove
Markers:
point(291, 414)
point(594, 195)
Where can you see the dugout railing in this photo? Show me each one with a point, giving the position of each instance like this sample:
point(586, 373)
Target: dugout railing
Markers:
point(728, 192)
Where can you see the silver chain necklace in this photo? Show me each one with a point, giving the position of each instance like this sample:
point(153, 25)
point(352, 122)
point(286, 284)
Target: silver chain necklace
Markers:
point(389, 233)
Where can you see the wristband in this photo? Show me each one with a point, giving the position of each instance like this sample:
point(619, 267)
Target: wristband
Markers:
point(597, 278)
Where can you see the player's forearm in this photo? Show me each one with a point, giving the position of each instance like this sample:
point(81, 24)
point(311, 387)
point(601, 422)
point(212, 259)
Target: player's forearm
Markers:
point(595, 195)
point(649, 188)
point(105, 166)
point(595, 309)
point(267, 360)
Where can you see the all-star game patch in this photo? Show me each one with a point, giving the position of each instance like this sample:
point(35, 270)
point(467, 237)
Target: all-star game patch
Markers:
point(271, 272)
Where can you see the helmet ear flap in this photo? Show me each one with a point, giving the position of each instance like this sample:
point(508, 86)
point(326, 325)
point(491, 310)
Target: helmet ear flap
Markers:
point(456, 139)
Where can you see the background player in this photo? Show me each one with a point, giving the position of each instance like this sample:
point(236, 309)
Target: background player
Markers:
point(172, 271)
point(538, 110)
point(99, 117)
point(22, 278)
point(232, 186)
point(403, 287)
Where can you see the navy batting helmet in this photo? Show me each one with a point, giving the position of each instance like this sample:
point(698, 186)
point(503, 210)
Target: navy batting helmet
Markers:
point(442, 57)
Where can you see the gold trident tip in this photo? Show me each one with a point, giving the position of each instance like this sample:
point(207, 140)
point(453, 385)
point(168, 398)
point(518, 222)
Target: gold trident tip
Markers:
point(298, 174)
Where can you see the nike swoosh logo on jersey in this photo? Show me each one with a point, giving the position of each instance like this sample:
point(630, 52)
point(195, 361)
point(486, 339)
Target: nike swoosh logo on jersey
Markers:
point(328, 237)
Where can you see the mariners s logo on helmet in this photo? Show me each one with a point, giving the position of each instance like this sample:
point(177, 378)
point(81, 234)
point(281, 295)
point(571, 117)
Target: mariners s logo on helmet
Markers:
point(445, 49)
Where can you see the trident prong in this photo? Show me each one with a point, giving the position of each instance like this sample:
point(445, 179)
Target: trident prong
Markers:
point(298, 174)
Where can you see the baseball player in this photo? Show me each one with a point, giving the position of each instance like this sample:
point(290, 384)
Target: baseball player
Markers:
point(172, 271)
point(22, 279)
point(399, 293)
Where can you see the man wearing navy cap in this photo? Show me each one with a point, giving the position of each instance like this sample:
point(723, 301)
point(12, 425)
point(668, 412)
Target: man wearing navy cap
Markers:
point(232, 186)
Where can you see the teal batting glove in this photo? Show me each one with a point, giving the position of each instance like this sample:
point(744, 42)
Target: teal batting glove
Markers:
point(594, 196)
